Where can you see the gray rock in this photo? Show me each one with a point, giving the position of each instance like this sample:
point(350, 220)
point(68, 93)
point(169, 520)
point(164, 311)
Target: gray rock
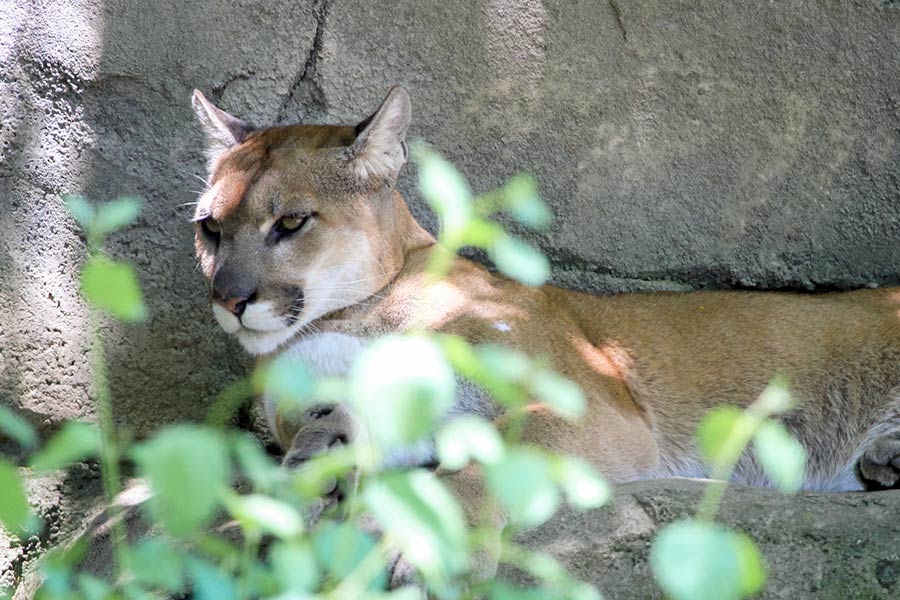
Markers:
point(681, 145)
point(823, 546)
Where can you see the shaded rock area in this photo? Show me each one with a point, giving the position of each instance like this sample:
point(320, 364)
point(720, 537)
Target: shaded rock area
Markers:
point(681, 145)
point(827, 546)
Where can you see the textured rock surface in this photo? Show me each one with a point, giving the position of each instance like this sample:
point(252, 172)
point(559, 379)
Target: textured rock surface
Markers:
point(816, 545)
point(680, 145)
point(684, 144)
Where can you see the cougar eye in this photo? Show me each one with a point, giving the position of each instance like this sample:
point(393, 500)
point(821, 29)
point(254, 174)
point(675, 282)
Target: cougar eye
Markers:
point(211, 227)
point(290, 224)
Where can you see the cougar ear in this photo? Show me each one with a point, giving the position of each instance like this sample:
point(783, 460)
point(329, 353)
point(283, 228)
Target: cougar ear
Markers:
point(222, 130)
point(380, 147)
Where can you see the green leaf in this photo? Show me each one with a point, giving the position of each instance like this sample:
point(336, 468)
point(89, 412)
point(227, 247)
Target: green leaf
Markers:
point(776, 398)
point(187, 468)
point(446, 191)
point(341, 547)
point(288, 381)
point(112, 286)
point(524, 483)
point(561, 394)
point(468, 437)
point(524, 203)
point(115, 215)
point(401, 387)
point(93, 588)
point(781, 456)
point(81, 210)
point(584, 487)
point(504, 363)
point(74, 442)
point(254, 462)
point(17, 428)
point(294, 566)
point(518, 260)
point(694, 560)
point(502, 590)
point(210, 582)
point(155, 562)
point(14, 510)
point(717, 426)
point(256, 512)
point(425, 519)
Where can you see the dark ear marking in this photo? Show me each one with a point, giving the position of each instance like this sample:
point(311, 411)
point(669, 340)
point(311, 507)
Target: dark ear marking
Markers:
point(222, 130)
point(379, 151)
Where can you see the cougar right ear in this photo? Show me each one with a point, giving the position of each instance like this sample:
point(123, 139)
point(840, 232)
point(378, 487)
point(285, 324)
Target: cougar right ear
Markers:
point(222, 130)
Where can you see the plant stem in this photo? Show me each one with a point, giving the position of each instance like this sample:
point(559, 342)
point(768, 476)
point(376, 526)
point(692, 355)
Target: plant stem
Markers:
point(109, 452)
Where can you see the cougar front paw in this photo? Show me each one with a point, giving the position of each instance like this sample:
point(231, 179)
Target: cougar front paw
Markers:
point(879, 466)
point(322, 428)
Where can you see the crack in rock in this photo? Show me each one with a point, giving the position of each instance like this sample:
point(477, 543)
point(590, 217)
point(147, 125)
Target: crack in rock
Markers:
point(617, 10)
point(306, 91)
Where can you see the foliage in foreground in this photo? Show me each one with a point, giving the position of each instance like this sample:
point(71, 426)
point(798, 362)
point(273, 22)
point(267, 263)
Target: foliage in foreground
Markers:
point(401, 388)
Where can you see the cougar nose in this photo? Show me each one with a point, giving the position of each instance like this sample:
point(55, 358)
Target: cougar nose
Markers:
point(235, 304)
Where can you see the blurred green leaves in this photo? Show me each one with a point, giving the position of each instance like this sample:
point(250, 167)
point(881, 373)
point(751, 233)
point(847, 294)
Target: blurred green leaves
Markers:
point(14, 510)
point(464, 219)
point(113, 287)
point(17, 428)
point(188, 469)
point(108, 284)
point(695, 560)
point(424, 519)
point(74, 442)
point(401, 387)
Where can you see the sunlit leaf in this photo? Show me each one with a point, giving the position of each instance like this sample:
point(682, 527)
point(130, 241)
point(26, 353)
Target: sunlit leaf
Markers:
point(14, 510)
point(445, 190)
point(294, 566)
point(502, 590)
point(93, 588)
point(187, 468)
point(781, 456)
point(583, 486)
point(112, 286)
point(254, 462)
point(418, 512)
point(717, 426)
point(267, 514)
point(115, 215)
point(468, 437)
point(694, 560)
point(17, 428)
point(524, 203)
point(518, 260)
point(210, 582)
point(341, 547)
point(288, 381)
point(401, 387)
point(74, 442)
point(561, 394)
point(155, 562)
point(523, 482)
point(81, 210)
point(504, 362)
point(776, 398)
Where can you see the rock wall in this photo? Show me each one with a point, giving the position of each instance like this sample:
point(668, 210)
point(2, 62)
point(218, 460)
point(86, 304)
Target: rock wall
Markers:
point(680, 144)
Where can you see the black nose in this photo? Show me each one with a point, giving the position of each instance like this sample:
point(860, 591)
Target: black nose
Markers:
point(235, 303)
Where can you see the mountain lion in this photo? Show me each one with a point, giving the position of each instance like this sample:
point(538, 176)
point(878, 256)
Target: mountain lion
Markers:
point(309, 249)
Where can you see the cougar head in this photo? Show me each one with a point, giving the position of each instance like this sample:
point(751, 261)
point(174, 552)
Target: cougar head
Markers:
point(294, 221)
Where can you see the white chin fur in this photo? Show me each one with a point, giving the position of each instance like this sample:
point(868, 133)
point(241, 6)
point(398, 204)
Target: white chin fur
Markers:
point(226, 320)
point(264, 342)
point(259, 317)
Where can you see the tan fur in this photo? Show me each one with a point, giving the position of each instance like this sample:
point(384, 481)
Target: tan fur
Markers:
point(651, 365)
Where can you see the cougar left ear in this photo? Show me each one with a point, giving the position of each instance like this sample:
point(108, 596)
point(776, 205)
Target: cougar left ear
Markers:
point(380, 147)
point(222, 129)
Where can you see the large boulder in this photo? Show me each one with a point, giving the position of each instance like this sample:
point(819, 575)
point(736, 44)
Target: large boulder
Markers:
point(822, 546)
